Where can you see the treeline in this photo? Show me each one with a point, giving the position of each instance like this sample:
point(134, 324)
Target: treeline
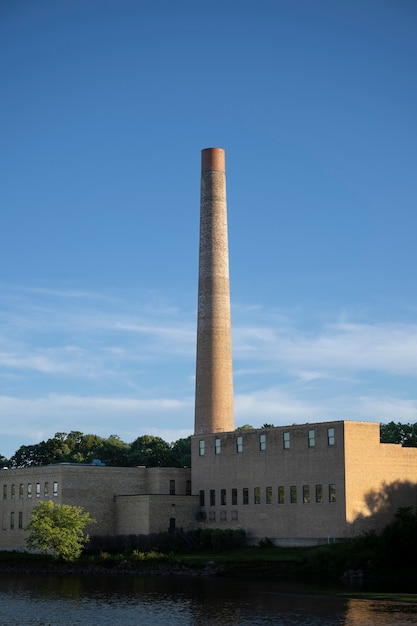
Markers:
point(75, 447)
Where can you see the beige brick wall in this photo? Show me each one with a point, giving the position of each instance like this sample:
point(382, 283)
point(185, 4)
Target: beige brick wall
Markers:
point(91, 487)
point(380, 477)
point(144, 514)
point(371, 481)
point(274, 467)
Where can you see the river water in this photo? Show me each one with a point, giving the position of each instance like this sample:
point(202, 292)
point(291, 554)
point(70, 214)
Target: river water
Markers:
point(183, 601)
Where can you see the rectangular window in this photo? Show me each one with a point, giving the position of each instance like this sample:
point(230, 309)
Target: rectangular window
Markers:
point(234, 515)
point(262, 443)
point(212, 516)
point(257, 495)
point(212, 497)
point(202, 497)
point(239, 444)
point(172, 487)
point(293, 494)
point(268, 495)
point(281, 495)
point(332, 493)
point(286, 438)
point(217, 446)
point(46, 490)
point(55, 489)
point(4, 492)
point(306, 494)
point(201, 447)
point(29, 490)
point(223, 497)
point(188, 487)
point(13, 491)
point(319, 493)
point(20, 520)
point(38, 490)
point(12, 520)
point(223, 516)
point(245, 495)
point(330, 436)
point(311, 438)
point(234, 497)
point(21, 489)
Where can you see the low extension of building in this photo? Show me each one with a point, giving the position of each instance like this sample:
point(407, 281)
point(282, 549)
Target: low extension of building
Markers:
point(122, 500)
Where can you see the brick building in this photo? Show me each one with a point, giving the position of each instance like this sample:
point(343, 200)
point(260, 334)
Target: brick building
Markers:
point(310, 483)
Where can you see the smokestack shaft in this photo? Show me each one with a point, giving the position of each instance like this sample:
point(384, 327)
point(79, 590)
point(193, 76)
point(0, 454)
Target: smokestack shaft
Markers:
point(214, 410)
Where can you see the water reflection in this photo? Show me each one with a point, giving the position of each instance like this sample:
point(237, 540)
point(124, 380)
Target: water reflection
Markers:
point(183, 601)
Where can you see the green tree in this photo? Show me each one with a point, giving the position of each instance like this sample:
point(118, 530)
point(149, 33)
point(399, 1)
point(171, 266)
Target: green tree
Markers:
point(113, 451)
point(150, 451)
point(58, 528)
point(181, 453)
point(405, 434)
point(3, 461)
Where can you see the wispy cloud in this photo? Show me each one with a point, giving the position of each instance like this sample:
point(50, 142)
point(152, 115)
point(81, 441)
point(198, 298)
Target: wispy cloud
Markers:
point(73, 360)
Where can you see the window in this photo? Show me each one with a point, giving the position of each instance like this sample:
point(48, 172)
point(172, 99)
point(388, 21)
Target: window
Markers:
point(38, 490)
point(13, 491)
point(293, 494)
point(21, 490)
point(245, 495)
point(223, 516)
point(201, 448)
point(4, 492)
point(234, 497)
point(332, 493)
point(29, 490)
point(281, 495)
point(20, 520)
point(239, 444)
point(172, 487)
point(223, 497)
point(319, 493)
point(46, 490)
point(217, 446)
point(202, 497)
point(212, 497)
point(212, 516)
point(330, 436)
point(234, 515)
point(55, 489)
point(257, 495)
point(286, 437)
point(262, 443)
point(311, 438)
point(306, 494)
point(268, 495)
point(12, 520)
point(188, 487)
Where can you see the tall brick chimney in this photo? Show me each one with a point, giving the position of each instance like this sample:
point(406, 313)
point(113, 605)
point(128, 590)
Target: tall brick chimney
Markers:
point(214, 410)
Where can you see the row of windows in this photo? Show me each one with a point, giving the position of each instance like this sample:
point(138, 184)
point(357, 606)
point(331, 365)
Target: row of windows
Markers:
point(172, 488)
point(286, 441)
point(13, 520)
point(21, 490)
point(306, 495)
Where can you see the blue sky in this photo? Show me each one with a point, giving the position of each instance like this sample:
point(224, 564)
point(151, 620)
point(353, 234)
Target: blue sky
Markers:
point(105, 106)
